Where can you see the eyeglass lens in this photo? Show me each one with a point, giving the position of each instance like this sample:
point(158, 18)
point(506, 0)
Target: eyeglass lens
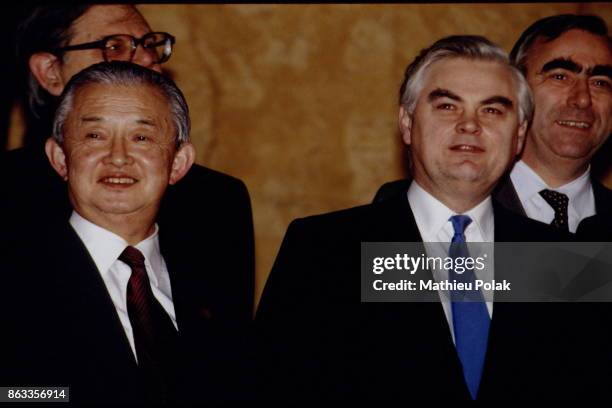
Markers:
point(123, 47)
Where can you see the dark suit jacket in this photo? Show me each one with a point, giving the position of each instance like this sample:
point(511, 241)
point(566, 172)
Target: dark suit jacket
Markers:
point(595, 229)
point(66, 328)
point(321, 342)
point(63, 328)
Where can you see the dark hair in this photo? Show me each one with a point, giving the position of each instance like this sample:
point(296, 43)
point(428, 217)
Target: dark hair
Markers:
point(126, 74)
point(45, 28)
point(550, 28)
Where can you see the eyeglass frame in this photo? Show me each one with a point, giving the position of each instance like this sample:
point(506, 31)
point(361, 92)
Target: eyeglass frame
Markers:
point(100, 44)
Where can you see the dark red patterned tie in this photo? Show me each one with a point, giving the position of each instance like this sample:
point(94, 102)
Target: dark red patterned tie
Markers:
point(154, 334)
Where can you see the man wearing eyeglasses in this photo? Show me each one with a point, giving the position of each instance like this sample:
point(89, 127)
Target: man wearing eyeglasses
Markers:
point(100, 33)
point(206, 213)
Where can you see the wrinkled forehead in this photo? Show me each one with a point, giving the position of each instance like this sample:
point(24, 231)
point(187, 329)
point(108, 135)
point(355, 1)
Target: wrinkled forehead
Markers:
point(117, 101)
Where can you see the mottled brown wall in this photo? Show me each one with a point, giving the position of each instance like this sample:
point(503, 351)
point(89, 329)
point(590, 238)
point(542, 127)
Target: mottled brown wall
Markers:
point(299, 101)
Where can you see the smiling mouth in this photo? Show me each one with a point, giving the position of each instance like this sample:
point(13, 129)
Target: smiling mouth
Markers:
point(576, 124)
point(461, 148)
point(117, 181)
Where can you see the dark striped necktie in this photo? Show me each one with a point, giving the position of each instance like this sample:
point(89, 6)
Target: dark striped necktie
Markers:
point(154, 333)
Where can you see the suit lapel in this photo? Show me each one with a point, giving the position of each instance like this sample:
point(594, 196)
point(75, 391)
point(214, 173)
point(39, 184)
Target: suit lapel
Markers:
point(603, 199)
point(506, 194)
point(394, 221)
point(85, 298)
point(508, 320)
point(189, 292)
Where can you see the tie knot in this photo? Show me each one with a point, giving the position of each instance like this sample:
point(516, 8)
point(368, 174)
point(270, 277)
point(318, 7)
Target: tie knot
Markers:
point(558, 201)
point(460, 223)
point(133, 257)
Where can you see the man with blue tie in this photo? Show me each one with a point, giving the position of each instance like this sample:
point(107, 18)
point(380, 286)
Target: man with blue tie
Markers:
point(464, 114)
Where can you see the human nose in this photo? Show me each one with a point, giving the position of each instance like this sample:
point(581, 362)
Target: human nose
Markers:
point(468, 123)
point(580, 94)
point(118, 154)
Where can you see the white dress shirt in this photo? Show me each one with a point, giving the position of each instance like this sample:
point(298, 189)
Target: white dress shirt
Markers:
point(528, 185)
point(105, 247)
point(432, 219)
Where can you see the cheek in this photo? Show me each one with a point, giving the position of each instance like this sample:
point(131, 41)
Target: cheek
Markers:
point(432, 137)
point(547, 99)
point(605, 109)
point(82, 163)
point(157, 166)
point(505, 152)
point(503, 140)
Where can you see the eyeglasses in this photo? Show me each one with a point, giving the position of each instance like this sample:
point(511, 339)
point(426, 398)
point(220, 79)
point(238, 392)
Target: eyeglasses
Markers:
point(122, 47)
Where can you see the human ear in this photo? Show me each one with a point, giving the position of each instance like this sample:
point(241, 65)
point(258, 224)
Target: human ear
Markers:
point(405, 125)
point(45, 67)
point(57, 157)
point(182, 162)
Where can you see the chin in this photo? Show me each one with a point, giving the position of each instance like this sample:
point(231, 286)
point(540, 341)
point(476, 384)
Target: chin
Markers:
point(575, 152)
point(118, 208)
point(466, 172)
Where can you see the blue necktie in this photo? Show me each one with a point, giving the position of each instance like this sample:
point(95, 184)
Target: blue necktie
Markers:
point(470, 316)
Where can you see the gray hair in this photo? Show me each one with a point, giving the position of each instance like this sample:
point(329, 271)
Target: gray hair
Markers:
point(471, 47)
point(123, 73)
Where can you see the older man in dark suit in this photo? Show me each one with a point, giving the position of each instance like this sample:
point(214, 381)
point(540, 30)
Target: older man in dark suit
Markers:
point(113, 305)
point(464, 114)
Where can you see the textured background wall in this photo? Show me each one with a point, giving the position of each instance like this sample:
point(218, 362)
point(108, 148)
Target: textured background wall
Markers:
point(299, 101)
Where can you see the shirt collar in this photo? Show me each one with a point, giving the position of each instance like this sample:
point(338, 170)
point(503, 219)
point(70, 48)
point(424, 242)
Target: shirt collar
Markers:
point(150, 249)
point(105, 246)
point(431, 215)
point(528, 184)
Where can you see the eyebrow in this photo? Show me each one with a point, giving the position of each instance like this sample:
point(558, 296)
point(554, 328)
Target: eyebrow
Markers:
point(442, 93)
point(572, 66)
point(502, 100)
point(146, 122)
point(91, 119)
point(445, 93)
point(562, 63)
point(601, 70)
